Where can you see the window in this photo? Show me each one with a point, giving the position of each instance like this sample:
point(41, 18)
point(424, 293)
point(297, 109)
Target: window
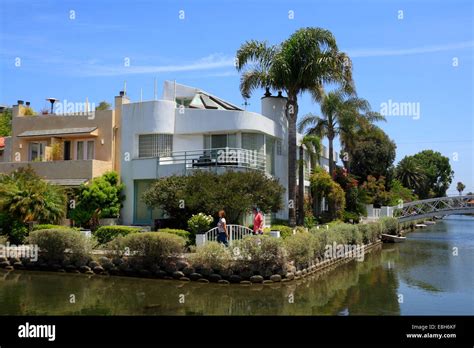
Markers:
point(155, 145)
point(252, 141)
point(216, 141)
point(85, 149)
point(278, 147)
point(37, 151)
point(270, 155)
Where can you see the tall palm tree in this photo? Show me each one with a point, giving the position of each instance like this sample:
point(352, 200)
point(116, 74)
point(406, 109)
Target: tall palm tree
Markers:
point(460, 187)
point(342, 114)
point(313, 146)
point(410, 174)
point(260, 56)
point(304, 62)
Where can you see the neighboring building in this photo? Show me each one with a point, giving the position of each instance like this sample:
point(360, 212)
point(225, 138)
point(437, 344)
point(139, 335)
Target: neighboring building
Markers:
point(66, 149)
point(5, 149)
point(190, 129)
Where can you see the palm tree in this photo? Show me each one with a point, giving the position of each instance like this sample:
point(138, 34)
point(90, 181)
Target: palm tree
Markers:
point(342, 114)
point(260, 56)
point(410, 174)
point(306, 61)
point(313, 146)
point(25, 198)
point(460, 187)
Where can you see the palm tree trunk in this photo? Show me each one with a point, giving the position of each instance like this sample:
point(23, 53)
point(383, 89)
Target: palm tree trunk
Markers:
point(331, 156)
point(291, 114)
point(332, 208)
point(301, 188)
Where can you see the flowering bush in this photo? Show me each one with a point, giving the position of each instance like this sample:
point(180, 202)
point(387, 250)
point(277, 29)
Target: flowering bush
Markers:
point(200, 223)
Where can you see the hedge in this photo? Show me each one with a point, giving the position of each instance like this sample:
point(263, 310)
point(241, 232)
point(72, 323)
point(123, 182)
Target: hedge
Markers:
point(51, 226)
point(152, 248)
point(285, 231)
point(188, 236)
point(390, 225)
point(53, 244)
point(105, 234)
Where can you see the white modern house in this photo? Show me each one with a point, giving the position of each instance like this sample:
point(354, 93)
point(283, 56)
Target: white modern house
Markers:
point(189, 129)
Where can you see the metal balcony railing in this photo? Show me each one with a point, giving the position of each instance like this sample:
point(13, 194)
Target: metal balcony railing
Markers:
point(209, 159)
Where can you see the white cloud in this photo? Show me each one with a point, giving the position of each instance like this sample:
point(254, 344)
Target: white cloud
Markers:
point(214, 61)
point(355, 53)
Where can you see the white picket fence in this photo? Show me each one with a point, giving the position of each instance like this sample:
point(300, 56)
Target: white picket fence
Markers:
point(236, 232)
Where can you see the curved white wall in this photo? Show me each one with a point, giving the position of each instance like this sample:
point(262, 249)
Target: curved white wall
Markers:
point(193, 121)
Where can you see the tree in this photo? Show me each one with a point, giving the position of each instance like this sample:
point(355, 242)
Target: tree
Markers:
point(324, 186)
point(258, 76)
point(400, 194)
point(101, 198)
point(103, 105)
point(434, 173)
point(410, 174)
point(342, 114)
point(313, 147)
point(460, 187)
point(304, 62)
point(206, 192)
point(26, 197)
point(356, 197)
point(6, 123)
point(372, 154)
point(376, 193)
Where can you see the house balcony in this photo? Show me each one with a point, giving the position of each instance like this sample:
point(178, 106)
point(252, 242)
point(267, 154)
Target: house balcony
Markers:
point(217, 160)
point(65, 173)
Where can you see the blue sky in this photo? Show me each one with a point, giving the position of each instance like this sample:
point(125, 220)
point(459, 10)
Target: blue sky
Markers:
point(408, 60)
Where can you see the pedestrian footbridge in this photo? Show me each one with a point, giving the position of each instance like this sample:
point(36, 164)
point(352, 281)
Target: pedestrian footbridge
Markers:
point(441, 206)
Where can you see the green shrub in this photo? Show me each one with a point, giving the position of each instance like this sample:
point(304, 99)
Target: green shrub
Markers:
point(51, 226)
point(280, 222)
point(212, 255)
point(260, 252)
point(105, 234)
point(153, 248)
point(190, 238)
point(3, 240)
point(53, 243)
point(390, 225)
point(309, 221)
point(300, 249)
point(18, 233)
point(199, 223)
point(350, 217)
point(285, 231)
point(375, 231)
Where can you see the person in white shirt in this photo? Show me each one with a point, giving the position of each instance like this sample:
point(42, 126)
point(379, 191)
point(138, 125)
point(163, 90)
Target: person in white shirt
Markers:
point(223, 235)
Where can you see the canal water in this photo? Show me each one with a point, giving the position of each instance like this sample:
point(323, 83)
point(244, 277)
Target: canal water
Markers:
point(431, 273)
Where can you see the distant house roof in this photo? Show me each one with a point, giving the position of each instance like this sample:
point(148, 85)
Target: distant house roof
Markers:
point(61, 131)
point(66, 182)
point(2, 141)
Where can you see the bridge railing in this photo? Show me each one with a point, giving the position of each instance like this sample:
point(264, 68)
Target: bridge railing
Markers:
point(236, 232)
point(435, 206)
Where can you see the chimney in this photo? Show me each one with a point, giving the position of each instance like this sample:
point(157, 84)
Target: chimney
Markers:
point(27, 104)
point(19, 109)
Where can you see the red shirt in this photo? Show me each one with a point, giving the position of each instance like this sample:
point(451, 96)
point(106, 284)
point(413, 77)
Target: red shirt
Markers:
point(258, 222)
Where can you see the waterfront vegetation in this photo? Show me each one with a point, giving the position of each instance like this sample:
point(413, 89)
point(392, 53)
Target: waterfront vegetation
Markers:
point(307, 62)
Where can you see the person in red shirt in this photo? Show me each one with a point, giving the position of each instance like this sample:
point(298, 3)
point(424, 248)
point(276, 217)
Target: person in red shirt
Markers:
point(257, 221)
